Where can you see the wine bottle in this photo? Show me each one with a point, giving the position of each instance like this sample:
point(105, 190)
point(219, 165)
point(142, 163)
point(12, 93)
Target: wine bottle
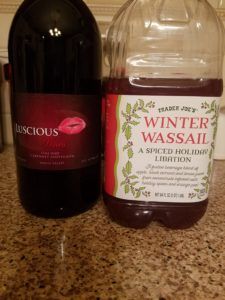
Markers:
point(55, 56)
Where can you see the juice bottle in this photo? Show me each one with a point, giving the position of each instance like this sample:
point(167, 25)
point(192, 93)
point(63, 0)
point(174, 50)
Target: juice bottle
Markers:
point(162, 106)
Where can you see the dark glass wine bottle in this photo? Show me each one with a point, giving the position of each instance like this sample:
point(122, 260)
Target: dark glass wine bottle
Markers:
point(55, 54)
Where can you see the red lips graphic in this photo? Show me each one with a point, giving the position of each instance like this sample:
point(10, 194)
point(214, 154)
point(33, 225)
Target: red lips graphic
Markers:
point(72, 126)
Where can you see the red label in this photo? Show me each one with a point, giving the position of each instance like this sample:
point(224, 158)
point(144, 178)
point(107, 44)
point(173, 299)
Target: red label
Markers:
point(110, 142)
point(57, 132)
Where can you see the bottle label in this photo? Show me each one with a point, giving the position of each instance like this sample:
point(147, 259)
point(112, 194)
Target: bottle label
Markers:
point(56, 132)
point(160, 148)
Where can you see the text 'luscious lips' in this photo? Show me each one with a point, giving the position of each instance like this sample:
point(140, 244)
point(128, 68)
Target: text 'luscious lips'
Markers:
point(72, 126)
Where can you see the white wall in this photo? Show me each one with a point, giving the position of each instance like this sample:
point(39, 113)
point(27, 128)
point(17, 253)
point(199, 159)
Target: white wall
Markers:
point(5, 21)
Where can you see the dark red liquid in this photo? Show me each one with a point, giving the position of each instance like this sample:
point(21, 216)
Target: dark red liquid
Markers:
point(173, 215)
point(69, 63)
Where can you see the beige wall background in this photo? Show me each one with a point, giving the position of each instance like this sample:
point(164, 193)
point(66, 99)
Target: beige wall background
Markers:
point(103, 11)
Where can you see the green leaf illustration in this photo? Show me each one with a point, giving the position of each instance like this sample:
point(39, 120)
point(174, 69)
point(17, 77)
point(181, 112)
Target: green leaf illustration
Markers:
point(133, 177)
point(126, 147)
point(209, 169)
point(128, 167)
point(138, 194)
point(134, 183)
point(128, 108)
point(127, 189)
point(136, 106)
point(124, 126)
point(131, 116)
point(142, 188)
point(125, 115)
point(213, 104)
point(136, 116)
point(130, 153)
point(135, 123)
point(124, 172)
point(210, 154)
point(128, 133)
point(150, 104)
point(142, 103)
point(133, 191)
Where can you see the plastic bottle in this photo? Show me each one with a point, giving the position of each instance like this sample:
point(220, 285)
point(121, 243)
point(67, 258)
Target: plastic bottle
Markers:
point(162, 105)
point(55, 54)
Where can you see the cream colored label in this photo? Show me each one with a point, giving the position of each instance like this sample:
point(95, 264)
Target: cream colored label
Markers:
point(165, 147)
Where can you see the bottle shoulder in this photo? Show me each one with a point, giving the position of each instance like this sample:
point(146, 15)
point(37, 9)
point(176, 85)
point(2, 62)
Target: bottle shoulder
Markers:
point(165, 39)
point(43, 15)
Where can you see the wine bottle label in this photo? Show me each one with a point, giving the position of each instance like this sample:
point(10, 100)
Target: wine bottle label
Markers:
point(57, 132)
point(160, 148)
